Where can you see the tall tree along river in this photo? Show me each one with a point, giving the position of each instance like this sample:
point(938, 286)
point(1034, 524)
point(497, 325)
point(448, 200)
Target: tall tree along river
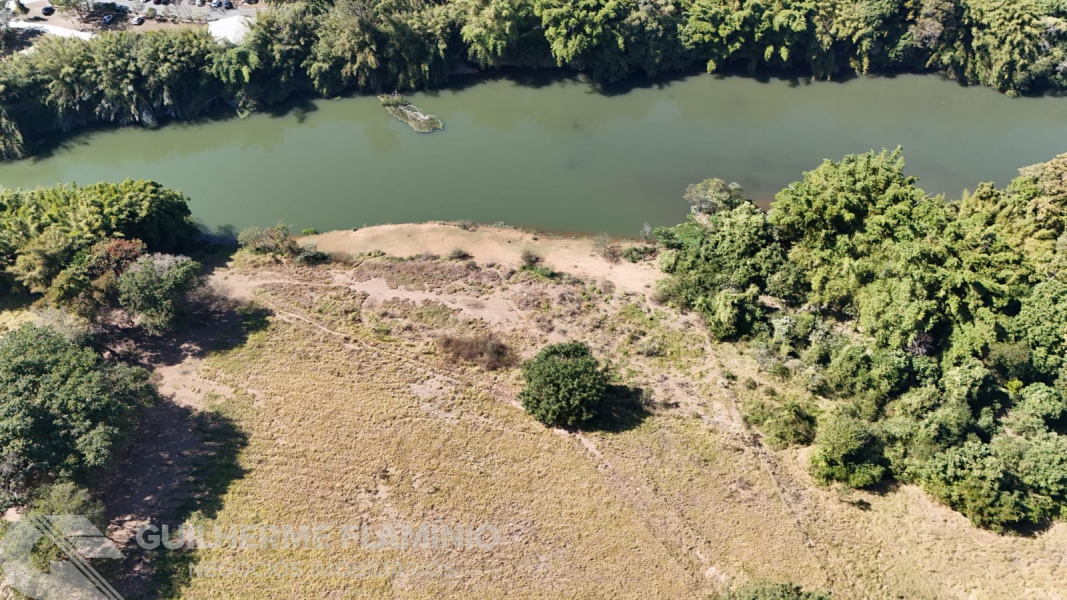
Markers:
point(560, 155)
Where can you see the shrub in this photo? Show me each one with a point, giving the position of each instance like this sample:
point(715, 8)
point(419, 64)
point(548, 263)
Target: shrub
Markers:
point(90, 283)
point(846, 450)
point(484, 350)
point(772, 591)
point(63, 498)
point(309, 231)
point(530, 259)
point(65, 410)
point(274, 240)
point(636, 254)
point(607, 248)
point(564, 385)
point(459, 254)
point(156, 290)
point(309, 254)
point(782, 424)
point(543, 271)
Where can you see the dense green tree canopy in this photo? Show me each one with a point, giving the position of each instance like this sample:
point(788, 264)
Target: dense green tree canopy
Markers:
point(934, 331)
point(335, 46)
point(63, 410)
point(42, 230)
point(564, 385)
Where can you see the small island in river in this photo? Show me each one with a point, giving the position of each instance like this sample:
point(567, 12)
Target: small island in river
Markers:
point(399, 107)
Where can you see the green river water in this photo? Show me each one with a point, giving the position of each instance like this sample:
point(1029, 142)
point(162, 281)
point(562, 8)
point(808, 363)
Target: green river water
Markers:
point(559, 155)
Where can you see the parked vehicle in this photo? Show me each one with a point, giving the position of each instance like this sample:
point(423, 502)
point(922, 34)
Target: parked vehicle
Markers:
point(108, 19)
point(48, 10)
point(227, 5)
point(138, 20)
point(157, 1)
point(216, 3)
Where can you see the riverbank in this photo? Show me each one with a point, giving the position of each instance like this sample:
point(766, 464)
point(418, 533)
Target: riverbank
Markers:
point(323, 394)
point(346, 363)
point(1016, 51)
point(574, 255)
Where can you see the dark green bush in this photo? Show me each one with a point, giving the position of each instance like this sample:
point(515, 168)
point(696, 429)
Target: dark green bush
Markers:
point(564, 385)
point(846, 450)
point(65, 410)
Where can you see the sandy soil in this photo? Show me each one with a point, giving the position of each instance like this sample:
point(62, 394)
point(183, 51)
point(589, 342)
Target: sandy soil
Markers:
point(492, 245)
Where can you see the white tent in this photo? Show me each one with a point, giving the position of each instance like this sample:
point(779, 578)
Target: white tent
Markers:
point(233, 29)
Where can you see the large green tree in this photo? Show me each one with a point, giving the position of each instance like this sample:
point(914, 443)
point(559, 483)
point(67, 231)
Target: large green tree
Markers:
point(63, 409)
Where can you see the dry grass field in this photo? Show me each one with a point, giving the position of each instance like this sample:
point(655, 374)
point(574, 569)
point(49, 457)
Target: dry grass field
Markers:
point(348, 413)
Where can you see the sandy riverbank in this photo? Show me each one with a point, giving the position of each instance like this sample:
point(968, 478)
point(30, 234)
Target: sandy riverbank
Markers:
point(573, 255)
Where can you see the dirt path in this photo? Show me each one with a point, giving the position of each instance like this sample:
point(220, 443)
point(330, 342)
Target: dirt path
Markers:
point(156, 478)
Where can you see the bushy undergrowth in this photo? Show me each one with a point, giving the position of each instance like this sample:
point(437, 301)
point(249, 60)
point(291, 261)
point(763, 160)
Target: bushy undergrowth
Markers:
point(772, 591)
point(935, 330)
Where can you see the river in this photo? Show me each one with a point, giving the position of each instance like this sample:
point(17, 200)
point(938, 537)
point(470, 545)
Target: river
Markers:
point(558, 155)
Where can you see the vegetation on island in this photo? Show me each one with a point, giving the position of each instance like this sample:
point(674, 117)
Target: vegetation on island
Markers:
point(399, 107)
point(334, 47)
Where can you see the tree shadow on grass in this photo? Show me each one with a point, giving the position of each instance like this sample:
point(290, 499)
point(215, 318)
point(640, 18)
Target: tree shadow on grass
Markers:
point(214, 469)
point(622, 409)
point(179, 467)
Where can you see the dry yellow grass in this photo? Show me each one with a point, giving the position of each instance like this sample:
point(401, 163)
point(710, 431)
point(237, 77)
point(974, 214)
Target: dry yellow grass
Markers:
point(340, 436)
point(352, 417)
point(13, 313)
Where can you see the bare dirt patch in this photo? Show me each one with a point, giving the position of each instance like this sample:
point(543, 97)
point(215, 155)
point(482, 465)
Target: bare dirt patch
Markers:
point(503, 246)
